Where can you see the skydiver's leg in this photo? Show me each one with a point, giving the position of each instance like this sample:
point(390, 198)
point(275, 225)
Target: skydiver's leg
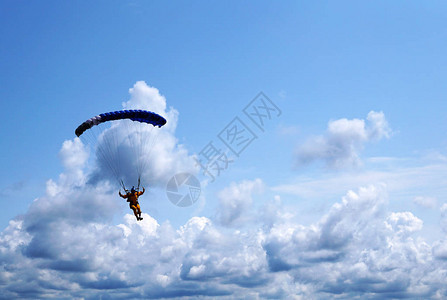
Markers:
point(135, 212)
point(139, 212)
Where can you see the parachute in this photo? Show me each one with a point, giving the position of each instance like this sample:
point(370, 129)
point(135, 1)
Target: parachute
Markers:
point(122, 141)
point(134, 115)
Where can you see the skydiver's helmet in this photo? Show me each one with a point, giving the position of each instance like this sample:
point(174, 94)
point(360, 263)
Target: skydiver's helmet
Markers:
point(132, 190)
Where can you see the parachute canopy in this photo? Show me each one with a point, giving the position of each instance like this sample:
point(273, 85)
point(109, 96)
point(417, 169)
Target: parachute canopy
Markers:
point(143, 116)
point(124, 144)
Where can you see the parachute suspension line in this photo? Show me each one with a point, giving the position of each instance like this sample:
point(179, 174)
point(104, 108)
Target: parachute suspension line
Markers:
point(140, 128)
point(115, 145)
point(141, 138)
point(143, 135)
point(148, 145)
point(107, 147)
point(132, 131)
point(89, 138)
point(109, 143)
point(123, 186)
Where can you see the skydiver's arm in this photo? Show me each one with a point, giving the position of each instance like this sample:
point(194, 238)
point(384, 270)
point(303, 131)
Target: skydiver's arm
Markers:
point(123, 196)
point(141, 193)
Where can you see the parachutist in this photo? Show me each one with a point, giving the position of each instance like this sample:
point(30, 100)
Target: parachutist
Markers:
point(132, 198)
point(127, 127)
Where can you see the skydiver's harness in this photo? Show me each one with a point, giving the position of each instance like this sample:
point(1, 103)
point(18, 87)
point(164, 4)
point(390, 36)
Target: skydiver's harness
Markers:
point(137, 190)
point(126, 190)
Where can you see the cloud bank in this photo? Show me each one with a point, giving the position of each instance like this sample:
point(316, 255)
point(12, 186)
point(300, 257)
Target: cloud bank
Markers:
point(64, 247)
point(67, 246)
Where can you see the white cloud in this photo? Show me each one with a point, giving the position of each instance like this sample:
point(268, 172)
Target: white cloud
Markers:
point(427, 202)
point(129, 149)
point(440, 250)
point(343, 141)
point(235, 202)
point(73, 154)
point(404, 222)
point(149, 98)
point(361, 249)
point(378, 126)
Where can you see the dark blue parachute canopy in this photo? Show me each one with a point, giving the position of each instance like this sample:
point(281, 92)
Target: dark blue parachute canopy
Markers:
point(143, 116)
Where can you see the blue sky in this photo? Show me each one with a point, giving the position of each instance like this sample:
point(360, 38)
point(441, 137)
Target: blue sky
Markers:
point(355, 163)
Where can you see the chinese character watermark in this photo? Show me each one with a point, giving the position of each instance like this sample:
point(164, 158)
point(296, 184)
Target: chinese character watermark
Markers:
point(261, 109)
point(184, 189)
point(212, 160)
point(237, 136)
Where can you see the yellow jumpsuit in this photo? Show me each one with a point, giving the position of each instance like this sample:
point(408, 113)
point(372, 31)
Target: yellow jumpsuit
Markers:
point(132, 198)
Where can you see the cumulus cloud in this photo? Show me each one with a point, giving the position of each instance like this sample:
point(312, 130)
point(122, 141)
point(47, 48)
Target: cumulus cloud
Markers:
point(292, 245)
point(128, 149)
point(404, 223)
point(235, 202)
point(343, 141)
point(73, 154)
point(362, 250)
